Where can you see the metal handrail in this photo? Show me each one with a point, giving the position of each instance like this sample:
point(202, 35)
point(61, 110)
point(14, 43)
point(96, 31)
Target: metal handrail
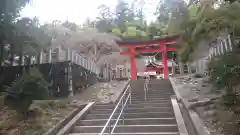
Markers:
point(115, 109)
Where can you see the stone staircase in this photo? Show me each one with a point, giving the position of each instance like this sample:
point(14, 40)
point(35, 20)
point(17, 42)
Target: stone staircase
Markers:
point(153, 116)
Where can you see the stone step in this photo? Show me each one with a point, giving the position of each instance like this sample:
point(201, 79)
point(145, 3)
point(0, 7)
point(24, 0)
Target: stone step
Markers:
point(129, 128)
point(134, 110)
point(132, 115)
point(129, 121)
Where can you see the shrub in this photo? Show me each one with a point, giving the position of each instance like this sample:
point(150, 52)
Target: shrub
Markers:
point(21, 94)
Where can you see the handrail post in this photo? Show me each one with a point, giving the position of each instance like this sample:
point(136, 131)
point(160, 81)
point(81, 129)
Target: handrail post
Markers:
point(130, 90)
point(145, 94)
point(109, 128)
point(122, 112)
point(145, 91)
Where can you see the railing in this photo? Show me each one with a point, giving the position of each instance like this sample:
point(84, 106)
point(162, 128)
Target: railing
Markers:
point(111, 126)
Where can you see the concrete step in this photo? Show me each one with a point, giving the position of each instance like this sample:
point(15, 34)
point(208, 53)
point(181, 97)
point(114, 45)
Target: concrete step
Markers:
point(132, 115)
point(135, 133)
point(129, 121)
point(149, 105)
point(129, 128)
point(151, 101)
point(134, 110)
point(150, 98)
point(151, 94)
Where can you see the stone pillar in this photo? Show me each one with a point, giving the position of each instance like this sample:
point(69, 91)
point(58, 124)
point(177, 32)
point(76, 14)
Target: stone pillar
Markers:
point(200, 66)
point(50, 55)
point(211, 53)
point(230, 42)
point(41, 57)
point(181, 67)
point(117, 72)
point(173, 68)
point(226, 45)
point(69, 55)
point(218, 50)
point(215, 51)
point(189, 68)
point(59, 54)
point(72, 56)
point(76, 58)
point(70, 83)
point(222, 48)
point(90, 66)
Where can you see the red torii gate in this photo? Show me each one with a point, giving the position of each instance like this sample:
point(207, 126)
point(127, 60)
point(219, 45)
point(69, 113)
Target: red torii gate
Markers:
point(131, 46)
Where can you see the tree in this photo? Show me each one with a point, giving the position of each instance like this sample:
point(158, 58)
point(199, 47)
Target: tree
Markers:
point(86, 41)
point(9, 11)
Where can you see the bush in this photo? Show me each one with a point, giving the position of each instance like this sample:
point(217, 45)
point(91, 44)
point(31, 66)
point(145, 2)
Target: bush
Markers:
point(21, 94)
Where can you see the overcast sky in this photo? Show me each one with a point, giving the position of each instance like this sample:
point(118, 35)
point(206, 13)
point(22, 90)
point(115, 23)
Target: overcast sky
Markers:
point(75, 10)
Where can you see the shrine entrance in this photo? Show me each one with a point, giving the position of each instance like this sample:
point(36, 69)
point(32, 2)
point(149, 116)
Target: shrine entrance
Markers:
point(135, 48)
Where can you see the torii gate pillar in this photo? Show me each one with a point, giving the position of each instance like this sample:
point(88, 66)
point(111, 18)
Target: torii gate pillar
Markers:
point(165, 61)
point(133, 64)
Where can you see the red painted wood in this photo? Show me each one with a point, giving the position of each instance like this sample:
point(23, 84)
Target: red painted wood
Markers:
point(133, 64)
point(165, 61)
point(142, 45)
point(148, 51)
